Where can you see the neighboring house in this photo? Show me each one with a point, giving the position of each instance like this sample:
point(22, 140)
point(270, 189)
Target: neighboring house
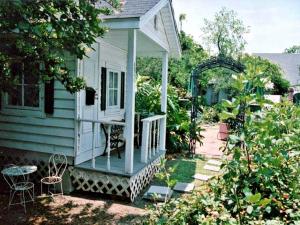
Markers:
point(45, 119)
point(289, 63)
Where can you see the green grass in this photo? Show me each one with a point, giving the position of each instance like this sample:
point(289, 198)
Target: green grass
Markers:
point(185, 168)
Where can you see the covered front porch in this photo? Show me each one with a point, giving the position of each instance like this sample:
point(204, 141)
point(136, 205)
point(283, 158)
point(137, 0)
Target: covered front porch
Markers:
point(152, 34)
point(129, 174)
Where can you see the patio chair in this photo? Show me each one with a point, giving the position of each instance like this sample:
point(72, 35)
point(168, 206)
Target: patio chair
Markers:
point(19, 184)
point(115, 138)
point(57, 166)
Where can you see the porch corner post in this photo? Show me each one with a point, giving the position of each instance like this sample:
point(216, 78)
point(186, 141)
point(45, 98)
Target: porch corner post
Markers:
point(130, 101)
point(164, 96)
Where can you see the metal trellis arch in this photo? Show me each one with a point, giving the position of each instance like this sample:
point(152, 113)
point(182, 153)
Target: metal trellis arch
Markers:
point(213, 62)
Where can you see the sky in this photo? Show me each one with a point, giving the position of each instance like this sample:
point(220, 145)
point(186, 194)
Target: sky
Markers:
point(274, 24)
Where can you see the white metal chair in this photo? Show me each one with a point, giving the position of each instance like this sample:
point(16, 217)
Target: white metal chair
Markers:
point(19, 183)
point(57, 166)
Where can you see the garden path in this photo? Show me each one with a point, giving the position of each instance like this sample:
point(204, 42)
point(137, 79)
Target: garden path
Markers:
point(211, 144)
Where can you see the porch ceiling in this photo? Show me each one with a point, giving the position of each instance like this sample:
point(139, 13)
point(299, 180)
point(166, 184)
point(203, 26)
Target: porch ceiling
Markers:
point(145, 46)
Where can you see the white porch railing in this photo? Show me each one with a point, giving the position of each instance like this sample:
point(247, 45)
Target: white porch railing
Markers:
point(153, 132)
point(94, 123)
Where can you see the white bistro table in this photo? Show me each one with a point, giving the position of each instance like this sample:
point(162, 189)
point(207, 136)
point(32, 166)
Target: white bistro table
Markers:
point(19, 170)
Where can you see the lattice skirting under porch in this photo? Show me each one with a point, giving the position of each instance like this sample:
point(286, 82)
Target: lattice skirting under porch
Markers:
point(18, 157)
point(106, 183)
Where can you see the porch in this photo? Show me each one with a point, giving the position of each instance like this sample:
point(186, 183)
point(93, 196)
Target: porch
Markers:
point(117, 165)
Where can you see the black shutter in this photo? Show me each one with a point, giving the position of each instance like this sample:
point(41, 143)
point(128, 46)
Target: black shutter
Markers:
point(103, 88)
point(0, 101)
point(49, 97)
point(122, 90)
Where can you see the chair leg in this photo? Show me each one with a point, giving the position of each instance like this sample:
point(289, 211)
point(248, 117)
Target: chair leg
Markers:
point(24, 202)
point(10, 199)
point(61, 188)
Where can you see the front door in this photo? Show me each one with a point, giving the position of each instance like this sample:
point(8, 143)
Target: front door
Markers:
point(90, 71)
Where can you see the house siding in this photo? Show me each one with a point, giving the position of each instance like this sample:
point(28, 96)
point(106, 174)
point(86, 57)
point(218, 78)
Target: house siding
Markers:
point(47, 133)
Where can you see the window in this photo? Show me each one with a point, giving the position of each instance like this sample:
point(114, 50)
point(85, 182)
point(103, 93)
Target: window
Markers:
point(113, 89)
point(27, 91)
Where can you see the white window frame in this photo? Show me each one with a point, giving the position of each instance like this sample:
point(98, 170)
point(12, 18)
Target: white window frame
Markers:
point(114, 107)
point(20, 110)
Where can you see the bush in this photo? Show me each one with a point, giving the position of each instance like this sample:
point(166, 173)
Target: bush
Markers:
point(178, 121)
point(261, 183)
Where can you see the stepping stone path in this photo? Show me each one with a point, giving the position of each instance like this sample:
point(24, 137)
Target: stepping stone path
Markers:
point(158, 193)
point(202, 177)
point(184, 187)
point(212, 168)
point(214, 162)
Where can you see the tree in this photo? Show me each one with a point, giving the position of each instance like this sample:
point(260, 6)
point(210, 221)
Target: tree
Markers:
point(38, 32)
point(225, 33)
point(294, 49)
point(182, 17)
point(269, 70)
point(179, 69)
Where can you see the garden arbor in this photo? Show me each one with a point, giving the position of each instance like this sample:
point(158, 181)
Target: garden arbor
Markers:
point(213, 62)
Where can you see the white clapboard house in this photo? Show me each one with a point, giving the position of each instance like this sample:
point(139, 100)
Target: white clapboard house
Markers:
point(45, 119)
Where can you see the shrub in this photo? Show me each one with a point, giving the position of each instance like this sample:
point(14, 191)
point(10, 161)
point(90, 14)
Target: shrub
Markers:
point(178, 122)
point(261, 183)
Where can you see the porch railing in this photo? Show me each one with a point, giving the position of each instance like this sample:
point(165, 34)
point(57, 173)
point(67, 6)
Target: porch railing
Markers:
point(94, 123)
point(153, 132)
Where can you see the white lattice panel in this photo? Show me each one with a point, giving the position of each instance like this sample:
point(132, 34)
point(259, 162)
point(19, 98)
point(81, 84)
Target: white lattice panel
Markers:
point(87, 180)
point(96, 181)
point(143, 178)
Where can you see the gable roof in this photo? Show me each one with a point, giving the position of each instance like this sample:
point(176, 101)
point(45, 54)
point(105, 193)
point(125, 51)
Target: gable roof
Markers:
point(133, 14)
point(289, 63)
point(133, 8)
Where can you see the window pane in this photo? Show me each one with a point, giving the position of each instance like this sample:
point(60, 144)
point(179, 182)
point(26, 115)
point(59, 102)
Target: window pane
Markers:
point(116, 80)
point(111, 79)
point(15, 98)
point(31, 95)
point(31, 73)
point(115, 97)
point(16, 70)
point(111, 98)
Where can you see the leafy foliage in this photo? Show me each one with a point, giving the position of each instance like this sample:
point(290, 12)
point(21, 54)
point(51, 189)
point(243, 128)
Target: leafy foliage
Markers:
point(148, 103)
point(261, 183)
point(37, 31)
point(179, 69)
point(225, 33)
point(268, 70)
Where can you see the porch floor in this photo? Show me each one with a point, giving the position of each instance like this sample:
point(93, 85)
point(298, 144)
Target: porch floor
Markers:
point(117, 166)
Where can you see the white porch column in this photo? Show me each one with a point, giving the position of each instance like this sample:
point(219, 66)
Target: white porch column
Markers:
point(130, 101)
point(164, 96)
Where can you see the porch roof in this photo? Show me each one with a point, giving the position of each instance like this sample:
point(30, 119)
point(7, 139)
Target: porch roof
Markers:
point(135, 14)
